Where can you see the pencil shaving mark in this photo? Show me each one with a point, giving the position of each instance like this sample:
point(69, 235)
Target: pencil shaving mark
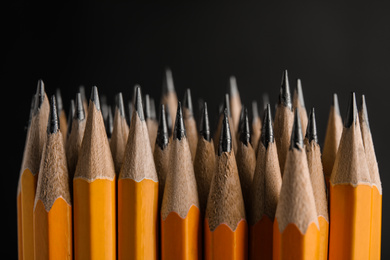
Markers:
point(181, 215)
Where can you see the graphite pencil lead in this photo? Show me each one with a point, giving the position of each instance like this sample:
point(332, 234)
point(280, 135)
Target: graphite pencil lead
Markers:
point(296, 133)
point(148, 108)
point(311, 131)
point(179, 131)
point(225, 140)
point(351, 112)
point(168, 85)
point(130, 110)
point(187, 101)
point(363, 109)
point(79, 112)
point(267, 131)
point(162, 139)
point(226, 105)
point(72, 110)
point(82, 92)
point(245, 131)
point(300, 93)
point(204, 129)
point(54, 123)
point(138, 104)
point(39, 96)
point(284, 94)
point(119, 104)
point(265, 101)
point(95, 97)
point(335, 103)
point(109, 123)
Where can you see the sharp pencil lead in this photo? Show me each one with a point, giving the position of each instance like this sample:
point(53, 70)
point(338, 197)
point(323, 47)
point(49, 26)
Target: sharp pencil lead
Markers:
point(225, 140)
point(267, 131)
point(162, 131)
point(311, 131)
point(296, 134)
point(245, 131)
point(95, 97)
point(352, 111)
point(179, 131)
point(204, 130)
point(54, 123)
point(138, 104)
point(284, 94)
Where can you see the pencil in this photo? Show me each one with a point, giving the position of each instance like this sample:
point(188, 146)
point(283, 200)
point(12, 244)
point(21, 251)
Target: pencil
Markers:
point(137, 192)
point(70, 119)
point(109, 123)
point(296, 229)
point(120, 132)
point(18, 198)
point(180, 205)
point(189, 122)
point(161, 153)
point(332, 138)
point(376, 203)
point(313, 153)
point(94, 190)
point(283, 121)
point(61, 114)
point(130, 111)
point(265, 190)
point(204, 163)
point(84, 98)
point(255, 126)
point(36, 138)
point(225, 227)
point(235, 104)
point(151, 122)
point(246, 157)
point(299, 102)
point(73, 144)
point(52, 206)
point(169, 97)
point(350, 194)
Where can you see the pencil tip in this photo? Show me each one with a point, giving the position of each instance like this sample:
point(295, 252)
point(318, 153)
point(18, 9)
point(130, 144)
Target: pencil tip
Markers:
point(138, 104)
point(363, 111)
point(119, 104)
point(255, 110)
point(54, 124)
point(169, 120)
point(59, 99)
point(79, 108)
point(284, 94)
point(204, 129)
point(311, 131)
point(352, 111)
point(162, 131)
point(179, 131)
point(335, 103)
point(187, 101)
point(232, 88)
point(300, 93)
point(168, 85)
point(39, 96)
point(245, 132)
point(95, 97)
point(226, 104)
point(109, 123)
point(296, 140)
point(267, 131)
point(148, 107)
point(71, 113)
point(225, 140)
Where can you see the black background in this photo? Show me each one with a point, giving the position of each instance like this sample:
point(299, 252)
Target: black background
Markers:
point(333, 48)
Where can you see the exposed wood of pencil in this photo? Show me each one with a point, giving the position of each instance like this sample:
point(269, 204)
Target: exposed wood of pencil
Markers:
point(265, 190)
point(235, 104)
point(119, 135)
point(225, 228)
point(255, 126)
point(169, 97)
point(246, 158)
point(137, 193)
point(376, 214)
point(189, 122)
point(180, 206)
point(94, 191)
point(313, 153)
point(350, 194)
point(283, 121)
point(299, 102)
point(332, 138)
point(52, 207)
point(36, 138)
point(61, 114)
point(204, 163)
point(296, 228)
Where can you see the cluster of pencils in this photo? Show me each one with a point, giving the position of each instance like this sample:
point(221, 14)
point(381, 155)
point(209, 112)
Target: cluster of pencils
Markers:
point(97, 186)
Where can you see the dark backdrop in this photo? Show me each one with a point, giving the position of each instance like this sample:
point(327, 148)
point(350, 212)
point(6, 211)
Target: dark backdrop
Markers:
point(331, 47)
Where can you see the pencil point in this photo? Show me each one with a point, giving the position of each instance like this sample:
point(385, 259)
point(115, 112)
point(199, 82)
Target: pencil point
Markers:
point(169, 120)
point(284, 94)
point(204, 129)
point(300, 93)
point(187, 101)
point(59, 99)
point(162, 139)
point(245, 132)
point(225, 140)
point(255, 110)
point(168, 85)
point(363, 111)
point(267, 131)
point(226, 105)
point(352, 111)
point(39, 96)
point(335, 104)
point(138, 104)
point(109, 123)
point(296, 133)
point(72, 111)
point(233, 89)
point(119, 104)
point(79, 108)
point(311, 131)
point(148, 107)
point(54, 123)
point(95, 97)
point(179, 131)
